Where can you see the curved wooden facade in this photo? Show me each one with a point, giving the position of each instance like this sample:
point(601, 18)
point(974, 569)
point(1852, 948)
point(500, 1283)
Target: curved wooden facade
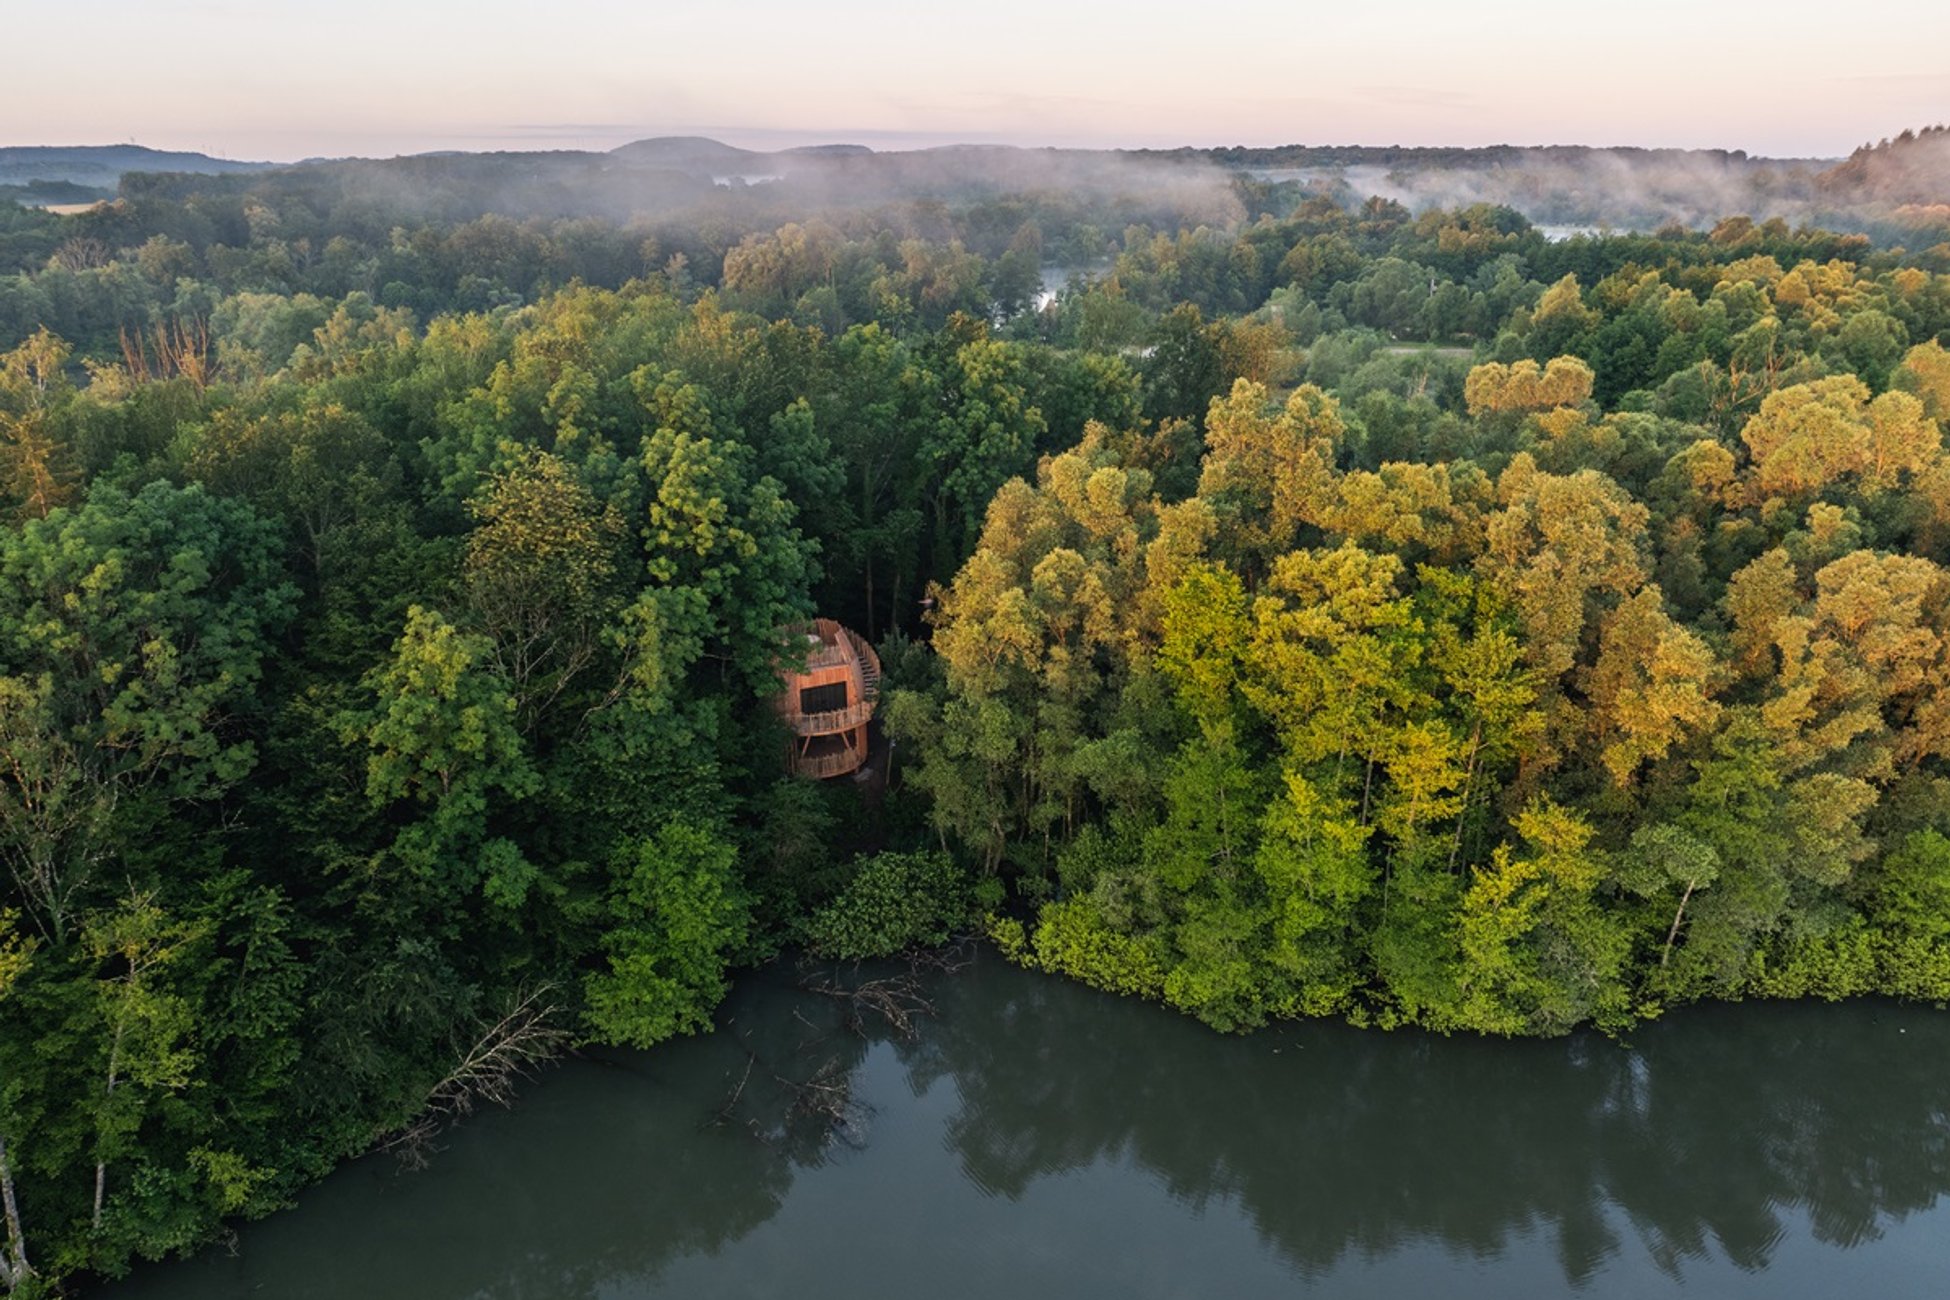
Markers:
point(829, 702)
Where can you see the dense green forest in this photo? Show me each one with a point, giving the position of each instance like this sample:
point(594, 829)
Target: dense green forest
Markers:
point(1289, 607)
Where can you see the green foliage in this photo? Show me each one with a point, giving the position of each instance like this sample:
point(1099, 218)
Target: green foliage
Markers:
point(132, 629)
point(672, 915)
point(1539, 955)
point(1443, 751)
point(895, 903)
point(1071, 938)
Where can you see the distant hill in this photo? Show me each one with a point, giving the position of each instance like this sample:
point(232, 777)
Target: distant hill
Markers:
point(455, 186)
point(1913, 168)
point(686, 153)
point(661, 178)
point(101, 167)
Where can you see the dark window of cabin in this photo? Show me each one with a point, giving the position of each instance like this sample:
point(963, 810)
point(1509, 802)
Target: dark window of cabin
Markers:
point(823, 699)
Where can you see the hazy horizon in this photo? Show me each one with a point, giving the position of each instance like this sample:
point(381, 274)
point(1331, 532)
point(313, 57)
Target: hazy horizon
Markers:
point(269, 82)
point(759, 140)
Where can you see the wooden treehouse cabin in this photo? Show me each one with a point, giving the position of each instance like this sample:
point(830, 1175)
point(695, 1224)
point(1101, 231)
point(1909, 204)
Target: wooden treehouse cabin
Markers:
point(828, 704)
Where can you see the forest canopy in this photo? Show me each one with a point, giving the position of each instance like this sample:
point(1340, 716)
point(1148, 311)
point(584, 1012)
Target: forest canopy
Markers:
point(1291, 604)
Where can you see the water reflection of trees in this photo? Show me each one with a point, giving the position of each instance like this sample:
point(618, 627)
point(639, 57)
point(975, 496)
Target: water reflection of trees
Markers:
point(1717, 1122)
point(609, 1170)
point(1338, 1144)
point(698, 1167)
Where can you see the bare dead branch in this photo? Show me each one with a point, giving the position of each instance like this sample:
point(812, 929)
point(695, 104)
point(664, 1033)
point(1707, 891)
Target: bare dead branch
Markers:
point(827, 1096)
point(896, 999)
point(491, 1070)
point(723, 1116)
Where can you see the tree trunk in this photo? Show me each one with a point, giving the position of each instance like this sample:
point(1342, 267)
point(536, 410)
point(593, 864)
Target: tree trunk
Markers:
point(14, 1268)
point(1225, 832)
point(101, 1166)
point(1677, 917)
point(1469, 791)
point(871, 612)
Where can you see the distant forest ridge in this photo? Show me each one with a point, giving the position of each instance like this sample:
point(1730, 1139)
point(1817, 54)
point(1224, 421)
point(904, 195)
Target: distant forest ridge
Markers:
point(1909, 169)
point(1575, 185)
point(105, 164)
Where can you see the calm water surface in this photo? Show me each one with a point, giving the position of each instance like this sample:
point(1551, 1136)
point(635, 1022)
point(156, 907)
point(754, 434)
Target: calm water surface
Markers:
point(1036, 1139)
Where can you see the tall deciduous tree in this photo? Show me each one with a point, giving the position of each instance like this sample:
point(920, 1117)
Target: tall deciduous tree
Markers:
point(1270, 475)
point(1540, 952)
point(670, 919)
point(540, 576)
point(443, 742)
point(133, 631)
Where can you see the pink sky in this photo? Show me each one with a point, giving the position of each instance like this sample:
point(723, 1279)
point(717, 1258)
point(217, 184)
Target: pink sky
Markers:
point(280, 80)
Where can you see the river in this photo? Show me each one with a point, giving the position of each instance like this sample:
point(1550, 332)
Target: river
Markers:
point(1033, 1138)
point(1056, 280)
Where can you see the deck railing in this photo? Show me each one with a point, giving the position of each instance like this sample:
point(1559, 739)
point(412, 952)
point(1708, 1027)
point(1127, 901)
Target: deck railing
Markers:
point(821, 766)
point(831, 721)
point(829, 656)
